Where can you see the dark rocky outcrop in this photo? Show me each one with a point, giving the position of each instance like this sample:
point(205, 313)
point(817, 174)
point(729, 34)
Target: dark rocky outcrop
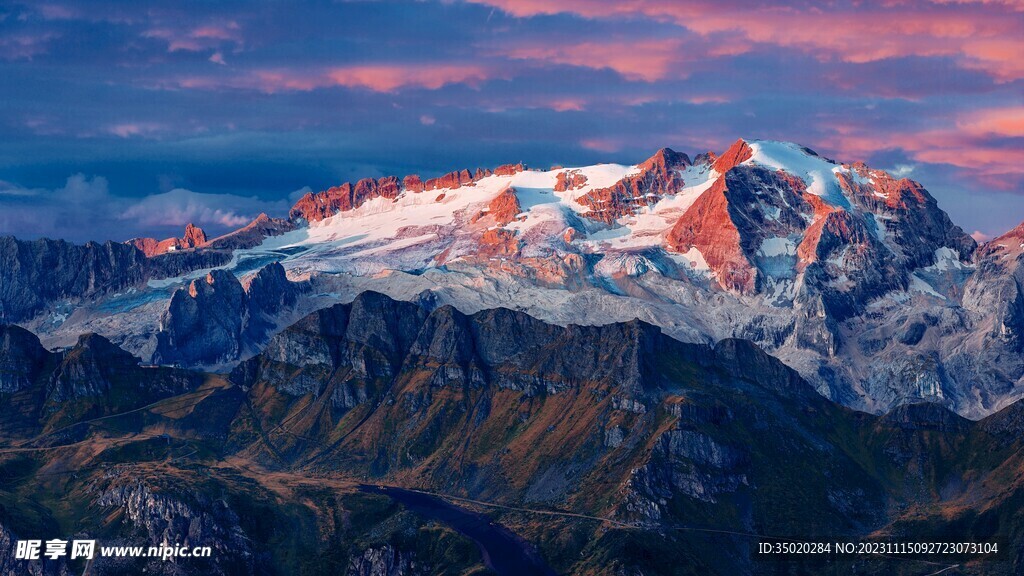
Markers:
point(203, 323)
point(21, 358)
point(158, 519)
point(252, 234)
point(10, 565)
point(35, 274)
point(216, 319)
point(558, 427)
point(94, 377)
point(386, 561)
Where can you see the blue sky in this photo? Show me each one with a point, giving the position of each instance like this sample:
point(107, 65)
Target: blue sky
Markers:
point(131, 118)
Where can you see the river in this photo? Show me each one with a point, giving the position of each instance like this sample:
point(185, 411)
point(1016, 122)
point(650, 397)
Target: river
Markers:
point(503, 551)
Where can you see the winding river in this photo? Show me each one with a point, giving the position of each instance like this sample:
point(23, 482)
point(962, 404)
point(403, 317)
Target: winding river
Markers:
point(503, 551)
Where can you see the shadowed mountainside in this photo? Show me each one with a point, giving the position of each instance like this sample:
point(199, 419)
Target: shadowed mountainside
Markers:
point(687, 452)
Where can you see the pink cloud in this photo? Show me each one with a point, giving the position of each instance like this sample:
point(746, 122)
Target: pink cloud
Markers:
point(985, 37)
point(377, 78)
point(980, 237)
point(646, 60)
point(388, 78)
point(708, 99)
point(199, 38)
point(1007, 122)
point(567, 105)
point(970, 142)
point(608, 145)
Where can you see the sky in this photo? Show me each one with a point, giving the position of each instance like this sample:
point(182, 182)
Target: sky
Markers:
point(125, 119)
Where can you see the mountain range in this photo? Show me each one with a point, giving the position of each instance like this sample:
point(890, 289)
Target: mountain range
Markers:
point(640, 369)
point(853, 277)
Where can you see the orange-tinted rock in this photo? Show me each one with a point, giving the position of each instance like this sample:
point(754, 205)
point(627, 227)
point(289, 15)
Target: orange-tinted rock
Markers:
point(412, 183)
point(658, 177)
point(452, 180)
point(194, 237)
point(498, 242)
point(503, 208)
point(835, 224)
point(707, 226)
point(315, 207)
point(569, 235)
point(570, 180)
point(509, 169)
point(738, 153)
point(367, 188)
point(148, 246)
point(742, 209)
point(439, 197)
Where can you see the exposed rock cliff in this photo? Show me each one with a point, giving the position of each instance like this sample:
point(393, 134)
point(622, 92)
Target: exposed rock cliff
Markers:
point(215, 319)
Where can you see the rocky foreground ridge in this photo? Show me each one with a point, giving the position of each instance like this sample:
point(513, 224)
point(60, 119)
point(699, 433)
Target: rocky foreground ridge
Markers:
point(617, 422)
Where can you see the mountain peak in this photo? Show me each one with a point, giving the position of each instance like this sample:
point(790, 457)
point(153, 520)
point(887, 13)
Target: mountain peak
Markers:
point(666, 159)
point(193, 237)
point(738, 153)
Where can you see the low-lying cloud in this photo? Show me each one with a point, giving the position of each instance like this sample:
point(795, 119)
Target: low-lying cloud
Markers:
point(84, 209)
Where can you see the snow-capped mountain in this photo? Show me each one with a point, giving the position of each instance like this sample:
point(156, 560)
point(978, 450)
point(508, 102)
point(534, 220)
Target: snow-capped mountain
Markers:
point(765, 218)
point(852, 276)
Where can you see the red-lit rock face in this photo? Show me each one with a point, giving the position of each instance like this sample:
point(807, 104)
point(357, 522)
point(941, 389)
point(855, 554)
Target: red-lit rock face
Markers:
point(412, 183)
point(509, 169)
point(503, 208)
point(314, 207)
point(658, 177)
point(193, 238)
point(708, 227)
point(368, 188)
point(498, 242)
point(738, 153)
point(757, 227)
point(452, 180)
point(570, 180)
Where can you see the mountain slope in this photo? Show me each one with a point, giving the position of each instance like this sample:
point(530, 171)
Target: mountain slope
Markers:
point(664, 440)
point(851, 276)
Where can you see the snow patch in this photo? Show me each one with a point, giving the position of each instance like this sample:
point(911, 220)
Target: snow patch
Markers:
point(917, 284)
point(946, 259)
point(774, 247)
point(692, 259)
point(816, 172)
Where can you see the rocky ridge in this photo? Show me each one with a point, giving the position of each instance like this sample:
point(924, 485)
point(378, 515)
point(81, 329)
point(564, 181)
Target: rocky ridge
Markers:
point(853, 277)
point(193, 238)
point(618, 421)
point(214, 319)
